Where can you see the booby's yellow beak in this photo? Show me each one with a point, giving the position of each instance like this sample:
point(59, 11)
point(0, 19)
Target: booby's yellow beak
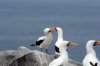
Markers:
point(97, 42)
point(72, 44)
point(53, 30)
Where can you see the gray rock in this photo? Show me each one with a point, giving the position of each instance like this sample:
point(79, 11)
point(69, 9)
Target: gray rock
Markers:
point(74, 63)
point(26, 57)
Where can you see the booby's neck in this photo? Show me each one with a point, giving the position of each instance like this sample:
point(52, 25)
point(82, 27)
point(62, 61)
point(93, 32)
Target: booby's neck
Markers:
point(63, 53)
point(60, 34)
point(48, 34)
point(61, 59)
point(90, 49)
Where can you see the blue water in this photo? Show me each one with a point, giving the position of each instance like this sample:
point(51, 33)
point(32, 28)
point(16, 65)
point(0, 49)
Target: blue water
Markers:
point(23, 21)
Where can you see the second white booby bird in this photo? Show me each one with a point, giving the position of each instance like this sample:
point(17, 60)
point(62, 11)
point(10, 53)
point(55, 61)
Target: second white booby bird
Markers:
point(59, 40)
point(63, 54)
point(45, 41)
point(90, 58)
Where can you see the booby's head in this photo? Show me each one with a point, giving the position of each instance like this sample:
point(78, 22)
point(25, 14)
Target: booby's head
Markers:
point(52, 29)
point(47, 30)
point(67, 43)
point(93, 43)
point(55, 29)
point(59, 29)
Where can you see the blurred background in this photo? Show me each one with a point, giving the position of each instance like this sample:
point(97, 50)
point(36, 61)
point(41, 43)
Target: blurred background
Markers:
point(23, 21)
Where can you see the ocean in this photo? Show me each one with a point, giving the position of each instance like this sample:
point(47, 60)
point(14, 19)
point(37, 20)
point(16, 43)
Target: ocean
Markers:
point(23, 21)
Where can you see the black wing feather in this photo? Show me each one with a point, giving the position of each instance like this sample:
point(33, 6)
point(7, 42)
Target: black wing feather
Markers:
point(96, 64)
point(39, 42)
point(93, 64)
point(57, 49)
point(33, 45)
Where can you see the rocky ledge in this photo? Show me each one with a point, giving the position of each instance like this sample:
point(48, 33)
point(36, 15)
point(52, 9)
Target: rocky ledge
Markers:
point(26, 57)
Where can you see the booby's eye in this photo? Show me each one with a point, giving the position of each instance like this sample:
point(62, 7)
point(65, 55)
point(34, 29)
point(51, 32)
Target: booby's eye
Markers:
point(49, 31)
point(68, 44)
point(94, 44)
point(56, 29)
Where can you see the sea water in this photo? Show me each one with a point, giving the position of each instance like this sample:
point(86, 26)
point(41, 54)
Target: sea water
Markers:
point(23, 21)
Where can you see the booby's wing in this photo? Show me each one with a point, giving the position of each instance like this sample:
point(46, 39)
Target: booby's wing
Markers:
point(57, 49)
point(40, 40)
point(93, 64)
point(90, 60)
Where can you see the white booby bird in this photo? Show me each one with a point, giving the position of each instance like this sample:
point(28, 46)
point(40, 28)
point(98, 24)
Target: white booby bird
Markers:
point(90, 58)
point(63, 54)
point(45, 41)
point(59, 40)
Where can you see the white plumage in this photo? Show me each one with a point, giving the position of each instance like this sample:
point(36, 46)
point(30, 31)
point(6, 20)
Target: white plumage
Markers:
point(90, 58)
point(45, 41)
point(63, 54)
point(59, 40)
